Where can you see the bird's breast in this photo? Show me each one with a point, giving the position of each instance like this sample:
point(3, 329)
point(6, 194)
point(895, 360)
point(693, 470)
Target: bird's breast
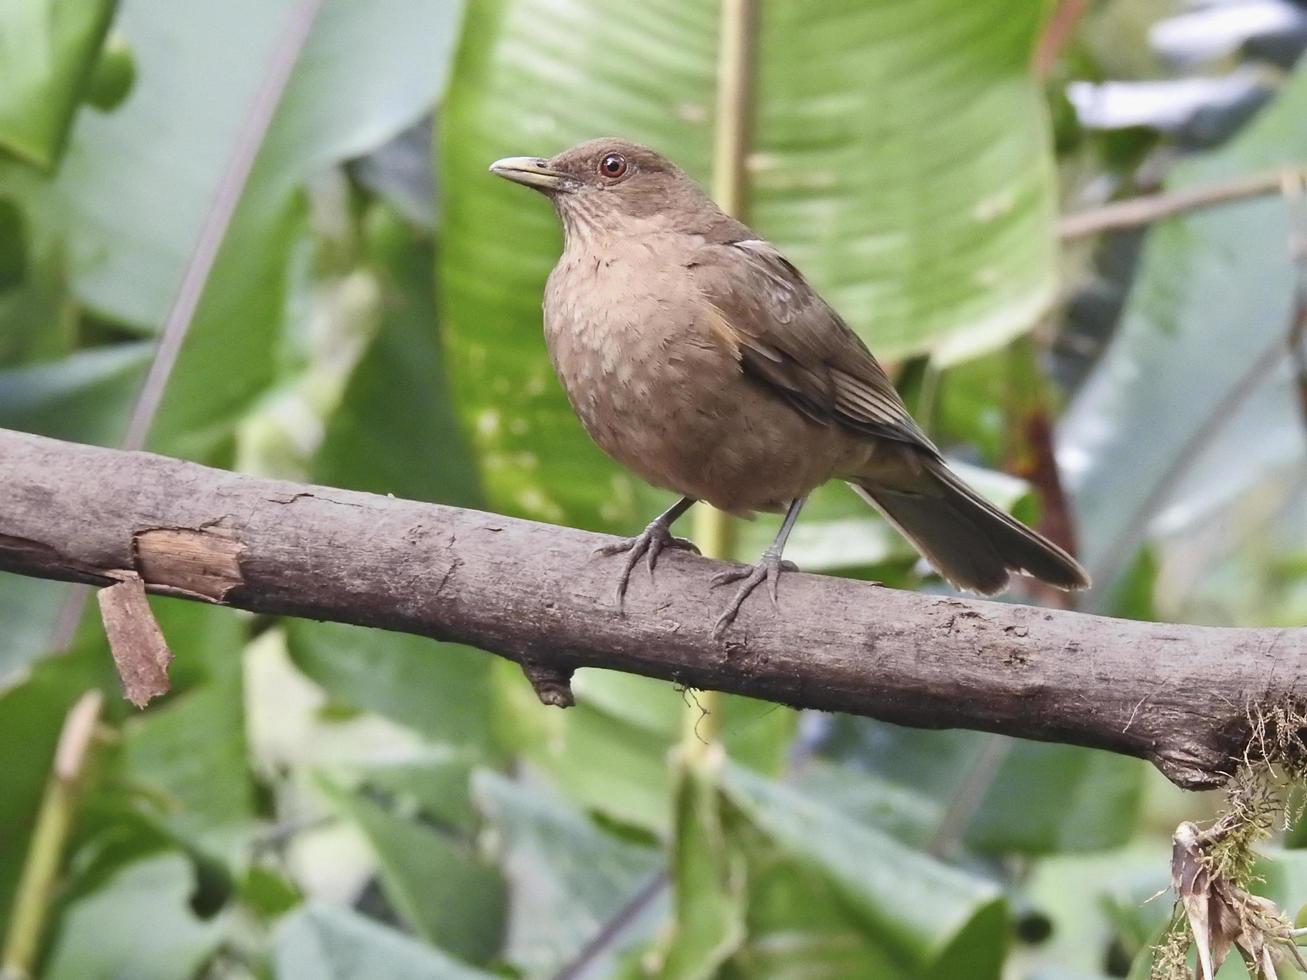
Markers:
point(615, 333)
point(662, 392)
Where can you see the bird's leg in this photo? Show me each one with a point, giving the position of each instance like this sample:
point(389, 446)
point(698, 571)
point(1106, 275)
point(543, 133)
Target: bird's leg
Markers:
point(650, 543)
point(768, 570)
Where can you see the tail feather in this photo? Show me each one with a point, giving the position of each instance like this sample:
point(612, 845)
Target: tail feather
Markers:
point(966, 538)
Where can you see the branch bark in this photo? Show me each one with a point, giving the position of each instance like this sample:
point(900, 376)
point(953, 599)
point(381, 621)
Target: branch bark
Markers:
point(1175, 695)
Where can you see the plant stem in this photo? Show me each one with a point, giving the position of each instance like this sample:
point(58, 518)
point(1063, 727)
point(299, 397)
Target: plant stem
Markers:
point(734, 104)
point(1028, 453)
point(713, 530)
point(218, 220)
point(968, 796)
point(612, 929)
point(1057, 34)
point(45, 854)
point(1151, 208)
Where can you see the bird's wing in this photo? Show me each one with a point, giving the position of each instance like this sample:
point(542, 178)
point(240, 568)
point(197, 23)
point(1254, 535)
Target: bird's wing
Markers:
point(787, 337)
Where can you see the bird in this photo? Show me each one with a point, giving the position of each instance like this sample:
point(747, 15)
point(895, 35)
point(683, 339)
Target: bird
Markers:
point(696, 355)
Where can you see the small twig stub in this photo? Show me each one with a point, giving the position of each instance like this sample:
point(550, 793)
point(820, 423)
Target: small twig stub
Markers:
point(552, 685)
point(139, 650)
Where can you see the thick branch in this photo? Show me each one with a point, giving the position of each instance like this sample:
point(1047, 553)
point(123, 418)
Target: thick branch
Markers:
point(1176, 695)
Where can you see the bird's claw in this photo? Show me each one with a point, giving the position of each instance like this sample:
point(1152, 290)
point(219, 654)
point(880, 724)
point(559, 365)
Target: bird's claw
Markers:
point(649, 543)
point(767, 570)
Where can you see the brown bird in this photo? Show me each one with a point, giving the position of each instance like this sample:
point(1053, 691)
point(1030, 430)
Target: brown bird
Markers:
point(697, 356)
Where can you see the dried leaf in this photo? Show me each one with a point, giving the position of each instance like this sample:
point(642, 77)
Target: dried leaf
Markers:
point(1220, 913)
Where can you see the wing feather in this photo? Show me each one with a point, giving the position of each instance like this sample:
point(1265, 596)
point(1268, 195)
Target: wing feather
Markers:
point(789, 338)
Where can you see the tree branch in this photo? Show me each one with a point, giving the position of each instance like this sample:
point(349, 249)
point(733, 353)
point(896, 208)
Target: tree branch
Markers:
point(1175, 695)
point(1151, 208)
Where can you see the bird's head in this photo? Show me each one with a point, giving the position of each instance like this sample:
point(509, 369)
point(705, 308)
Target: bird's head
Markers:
point(603, 183)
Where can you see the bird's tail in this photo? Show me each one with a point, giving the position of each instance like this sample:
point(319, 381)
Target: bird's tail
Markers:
point(967, 539)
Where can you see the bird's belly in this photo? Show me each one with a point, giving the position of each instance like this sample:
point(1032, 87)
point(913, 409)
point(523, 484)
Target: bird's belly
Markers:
point(688, 420)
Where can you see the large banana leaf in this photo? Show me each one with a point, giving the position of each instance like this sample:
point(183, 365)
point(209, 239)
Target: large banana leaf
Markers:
point(910, 177)
point(1198, 346)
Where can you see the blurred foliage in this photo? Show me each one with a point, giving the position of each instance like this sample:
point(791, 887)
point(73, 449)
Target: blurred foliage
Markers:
point(318, 800)
point(49, 50)
point(1190, 354)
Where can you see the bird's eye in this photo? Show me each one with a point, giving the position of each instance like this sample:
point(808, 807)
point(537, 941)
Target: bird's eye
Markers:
point(612, 166)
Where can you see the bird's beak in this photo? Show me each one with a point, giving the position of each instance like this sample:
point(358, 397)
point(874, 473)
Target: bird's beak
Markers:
point(531, 171)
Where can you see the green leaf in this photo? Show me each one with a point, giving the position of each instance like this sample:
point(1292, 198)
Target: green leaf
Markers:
point(1095, 902)
point(1044, 798)
point(1203, 328)
point(395, 431)
point(905, 132)
point(601, 760)
point(800, 925)
point(1050, 799)
point(568, 877)
point(136, 185)
point(267, 894)
point(139, 925)
point(234, 335)
point(756, 733)
point(966, 403)
point(38, 319)
point(133, 193)
point(910, 178)
point(900, 811)
point(436, 883)
point(13, 245)
point(609, 752)
point(47, 50)
point(441, 690)
point(1281, 875)
point(366, 73)
point(29, 608)
point(84, 397)
point(330, 943)
point(191, 751)
point(438, 787)
point(909, 915)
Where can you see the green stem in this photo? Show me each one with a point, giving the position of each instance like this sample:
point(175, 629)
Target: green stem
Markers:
point(54, 822)
point(713, 530)
point(734, 104)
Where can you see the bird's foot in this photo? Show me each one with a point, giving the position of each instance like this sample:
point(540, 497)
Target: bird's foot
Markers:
point(767, 570)
point(648, 543)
